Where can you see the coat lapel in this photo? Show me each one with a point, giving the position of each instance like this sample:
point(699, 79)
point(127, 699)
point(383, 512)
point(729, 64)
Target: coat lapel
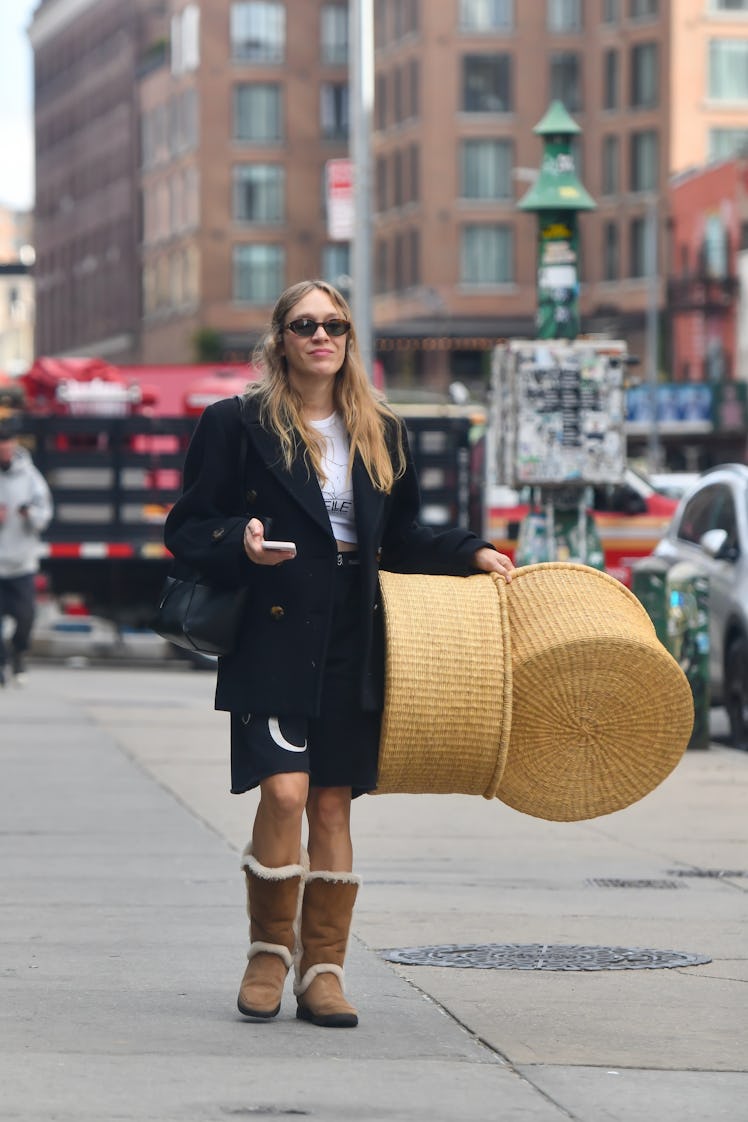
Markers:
point(369, 506)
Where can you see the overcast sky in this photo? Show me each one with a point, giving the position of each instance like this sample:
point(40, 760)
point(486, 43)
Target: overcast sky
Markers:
point(16, 98)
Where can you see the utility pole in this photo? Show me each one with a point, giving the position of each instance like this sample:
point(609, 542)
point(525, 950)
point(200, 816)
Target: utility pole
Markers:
point(361, 99)
point(652, 267)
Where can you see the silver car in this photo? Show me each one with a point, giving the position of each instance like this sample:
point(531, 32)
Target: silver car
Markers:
point(710, 531)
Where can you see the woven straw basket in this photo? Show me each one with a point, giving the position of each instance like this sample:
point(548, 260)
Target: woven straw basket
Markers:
point(552, 693)
point(448, 705)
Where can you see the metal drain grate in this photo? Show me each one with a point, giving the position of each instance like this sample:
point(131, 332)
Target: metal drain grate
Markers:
point(541, 956)
point(715, 873)
point(617, 882)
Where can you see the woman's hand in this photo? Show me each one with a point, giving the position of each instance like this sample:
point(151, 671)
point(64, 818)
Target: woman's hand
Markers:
point(254, 536)
point(491, 561)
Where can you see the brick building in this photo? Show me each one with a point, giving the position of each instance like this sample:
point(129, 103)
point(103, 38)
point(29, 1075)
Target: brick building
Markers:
point(86, 55)
point(226, 113)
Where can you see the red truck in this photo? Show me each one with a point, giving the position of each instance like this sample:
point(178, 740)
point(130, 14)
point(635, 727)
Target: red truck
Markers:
point(111, 442)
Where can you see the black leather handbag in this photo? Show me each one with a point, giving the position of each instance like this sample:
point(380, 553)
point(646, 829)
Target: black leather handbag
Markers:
point(198, 615)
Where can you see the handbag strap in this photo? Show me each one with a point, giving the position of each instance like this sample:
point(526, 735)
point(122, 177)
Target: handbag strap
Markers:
point(243, 440)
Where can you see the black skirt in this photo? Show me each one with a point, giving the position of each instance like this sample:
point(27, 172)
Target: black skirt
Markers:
point(340, 747)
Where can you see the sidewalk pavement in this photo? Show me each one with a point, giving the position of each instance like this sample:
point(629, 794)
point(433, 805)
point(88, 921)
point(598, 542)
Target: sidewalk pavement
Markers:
point(123, 937)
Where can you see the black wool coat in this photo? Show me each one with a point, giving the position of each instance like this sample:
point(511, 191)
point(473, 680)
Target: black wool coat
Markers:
point(277, 667)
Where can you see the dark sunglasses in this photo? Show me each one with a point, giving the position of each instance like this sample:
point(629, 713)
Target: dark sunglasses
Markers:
point(307, 327)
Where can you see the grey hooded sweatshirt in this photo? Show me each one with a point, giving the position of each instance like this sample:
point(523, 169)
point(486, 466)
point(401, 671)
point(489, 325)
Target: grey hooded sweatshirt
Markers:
point(22, 488)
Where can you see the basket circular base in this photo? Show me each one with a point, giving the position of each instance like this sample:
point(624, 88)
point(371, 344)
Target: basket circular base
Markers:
point(602, 713)
point(447, 710)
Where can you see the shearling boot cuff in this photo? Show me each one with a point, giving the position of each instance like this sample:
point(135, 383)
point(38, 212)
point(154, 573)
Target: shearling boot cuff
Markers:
point(335, 878)
point(280, 872)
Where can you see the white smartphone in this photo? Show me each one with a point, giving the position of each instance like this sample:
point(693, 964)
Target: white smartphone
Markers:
point(285, 546)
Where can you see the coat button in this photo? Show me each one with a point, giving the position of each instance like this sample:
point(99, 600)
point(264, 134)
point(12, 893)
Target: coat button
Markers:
point(251, 496)
point(277, 612)
point(218, 534)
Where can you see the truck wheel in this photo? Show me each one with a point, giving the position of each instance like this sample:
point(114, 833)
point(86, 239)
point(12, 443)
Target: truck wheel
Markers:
point(736, 692)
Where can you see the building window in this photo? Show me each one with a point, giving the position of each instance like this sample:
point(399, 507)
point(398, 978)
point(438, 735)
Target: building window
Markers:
point(380, 26)
point(644, 155)
point(564, 15)
point(487, 83)
point(728, 69)
point(611, 11)
point(406, 18)
point(414, 82)
point(644, 76)
point(333, 108)
point(486, 169)
point(258, 273)
point(414, 173)
point(397, 95)
point(334, 34)
point(643, 9)
point(611, 252)
point(486, 255)
point(611, 171)
point(486, 15)
point(182, 122)
point(380, 102)
point(258, 31)
point(715, 250)
point(399, 263)
point(336, 264)
point(610, 79)
point(381, 184)
point(382, 268)
point(185, 40)
point(414, 243)
point(258, 193)
point(257, 112)
point(724, 143)
point(397, 178)
point(638, 254)
point(566, 79)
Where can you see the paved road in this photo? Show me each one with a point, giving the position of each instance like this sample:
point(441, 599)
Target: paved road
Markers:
point(123, 936)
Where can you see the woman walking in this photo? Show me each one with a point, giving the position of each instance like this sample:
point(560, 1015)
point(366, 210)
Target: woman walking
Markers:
point(328, 496)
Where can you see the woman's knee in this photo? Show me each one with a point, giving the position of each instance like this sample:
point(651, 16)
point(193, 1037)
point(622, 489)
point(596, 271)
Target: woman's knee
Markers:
point(329, 809)
point(285, 795)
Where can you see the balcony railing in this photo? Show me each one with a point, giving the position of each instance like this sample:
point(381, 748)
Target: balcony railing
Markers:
point(702, 293)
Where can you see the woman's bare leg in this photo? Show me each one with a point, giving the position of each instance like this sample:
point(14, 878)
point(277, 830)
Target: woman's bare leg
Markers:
point(276, 835)
point(329, 813)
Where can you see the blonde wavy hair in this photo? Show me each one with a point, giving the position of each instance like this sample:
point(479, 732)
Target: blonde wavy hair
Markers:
point(363, 411)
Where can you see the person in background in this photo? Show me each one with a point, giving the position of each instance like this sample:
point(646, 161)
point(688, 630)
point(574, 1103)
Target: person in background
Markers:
point(25, 512)
point(328, 472)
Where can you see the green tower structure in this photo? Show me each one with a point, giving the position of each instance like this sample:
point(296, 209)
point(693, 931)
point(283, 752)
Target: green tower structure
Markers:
point(557, 196)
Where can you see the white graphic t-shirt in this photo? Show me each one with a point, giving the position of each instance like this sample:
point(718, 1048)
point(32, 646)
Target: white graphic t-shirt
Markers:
point(337, 489)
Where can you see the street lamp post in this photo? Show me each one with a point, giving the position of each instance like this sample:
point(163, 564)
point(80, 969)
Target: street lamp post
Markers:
point(557, 197)
point(361, 23)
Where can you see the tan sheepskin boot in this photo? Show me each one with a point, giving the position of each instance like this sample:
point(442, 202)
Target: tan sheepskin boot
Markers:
point(326, 914)
point(273, 905)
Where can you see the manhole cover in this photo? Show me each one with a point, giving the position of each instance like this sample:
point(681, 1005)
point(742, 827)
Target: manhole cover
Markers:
point(541, 956)
point(617, 882)
point(716, 873)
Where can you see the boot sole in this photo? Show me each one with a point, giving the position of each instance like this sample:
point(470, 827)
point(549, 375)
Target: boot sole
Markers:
point(328, 1020)
point(258, 1014)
